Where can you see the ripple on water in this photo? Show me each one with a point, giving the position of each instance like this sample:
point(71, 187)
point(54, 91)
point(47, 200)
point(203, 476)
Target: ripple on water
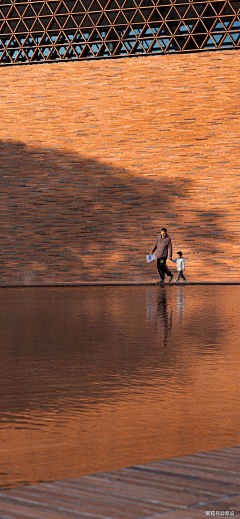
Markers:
point(98, 378)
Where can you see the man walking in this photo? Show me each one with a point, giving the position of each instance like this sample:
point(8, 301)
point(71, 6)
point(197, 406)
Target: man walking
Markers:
point(163, 245)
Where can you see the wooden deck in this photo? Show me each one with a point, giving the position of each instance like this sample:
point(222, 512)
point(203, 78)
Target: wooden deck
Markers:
point(180, 488)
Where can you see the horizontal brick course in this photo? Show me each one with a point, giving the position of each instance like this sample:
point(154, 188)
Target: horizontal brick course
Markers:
point(97, 157)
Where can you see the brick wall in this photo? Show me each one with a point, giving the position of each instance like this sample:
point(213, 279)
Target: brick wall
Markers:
point(97, 156)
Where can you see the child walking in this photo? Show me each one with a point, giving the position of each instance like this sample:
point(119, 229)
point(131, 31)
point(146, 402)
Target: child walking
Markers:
point(180, 266)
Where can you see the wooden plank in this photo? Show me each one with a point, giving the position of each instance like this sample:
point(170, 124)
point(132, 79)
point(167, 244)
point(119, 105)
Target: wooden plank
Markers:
point(230, 504)
point(203, 470)
point(173, 482)
point(181, 488)
point(87, 503)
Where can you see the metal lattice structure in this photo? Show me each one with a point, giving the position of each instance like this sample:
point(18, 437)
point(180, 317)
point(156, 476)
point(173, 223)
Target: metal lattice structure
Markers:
point(38, 31)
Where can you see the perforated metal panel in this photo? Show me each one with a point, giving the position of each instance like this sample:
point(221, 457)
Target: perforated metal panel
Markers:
point(34, 31)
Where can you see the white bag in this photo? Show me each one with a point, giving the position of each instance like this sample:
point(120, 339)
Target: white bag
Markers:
point(150, 257)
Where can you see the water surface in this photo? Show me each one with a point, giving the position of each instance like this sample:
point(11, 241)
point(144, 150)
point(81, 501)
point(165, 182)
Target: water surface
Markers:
point(97, 378)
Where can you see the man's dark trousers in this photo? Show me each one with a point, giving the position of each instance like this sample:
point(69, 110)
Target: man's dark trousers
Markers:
point(162, 267)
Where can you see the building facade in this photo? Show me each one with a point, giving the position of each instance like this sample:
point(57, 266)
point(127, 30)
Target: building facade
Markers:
point(99, 152)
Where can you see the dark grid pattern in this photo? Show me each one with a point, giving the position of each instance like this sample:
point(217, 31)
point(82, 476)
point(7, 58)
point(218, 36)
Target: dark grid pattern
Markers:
point(33, 31)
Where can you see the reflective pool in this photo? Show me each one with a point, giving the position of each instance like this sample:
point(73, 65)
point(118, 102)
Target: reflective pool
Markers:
point(97, 378)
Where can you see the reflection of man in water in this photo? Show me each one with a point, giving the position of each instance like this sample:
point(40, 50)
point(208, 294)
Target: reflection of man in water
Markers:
point(160, 313)
point(163, 245)
point(164, 317)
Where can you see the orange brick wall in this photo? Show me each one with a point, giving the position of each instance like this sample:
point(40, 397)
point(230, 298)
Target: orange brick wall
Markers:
point(97, 156)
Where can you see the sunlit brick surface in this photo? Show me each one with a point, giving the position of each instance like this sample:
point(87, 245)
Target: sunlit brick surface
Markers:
point(97, 156)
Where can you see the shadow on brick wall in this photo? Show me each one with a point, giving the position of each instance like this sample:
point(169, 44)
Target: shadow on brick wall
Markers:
point(67, 218)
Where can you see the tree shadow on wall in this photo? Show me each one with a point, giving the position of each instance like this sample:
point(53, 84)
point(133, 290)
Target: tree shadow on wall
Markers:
point(67, 218)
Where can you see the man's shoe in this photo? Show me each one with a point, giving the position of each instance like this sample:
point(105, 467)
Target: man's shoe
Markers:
point(161, 282)
point(176, 281)
point(170, 279)
point(185, 281)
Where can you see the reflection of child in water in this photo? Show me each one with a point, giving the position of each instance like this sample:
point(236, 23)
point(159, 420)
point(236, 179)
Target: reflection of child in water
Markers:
point(180, 266)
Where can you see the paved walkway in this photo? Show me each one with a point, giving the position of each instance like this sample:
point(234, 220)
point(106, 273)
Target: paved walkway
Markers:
point(119, 284)
point(189, 487)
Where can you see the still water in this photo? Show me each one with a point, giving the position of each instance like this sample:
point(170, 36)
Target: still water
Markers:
point(97, 378)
